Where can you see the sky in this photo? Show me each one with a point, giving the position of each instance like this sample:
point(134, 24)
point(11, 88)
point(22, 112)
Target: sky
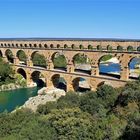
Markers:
point(70, 19)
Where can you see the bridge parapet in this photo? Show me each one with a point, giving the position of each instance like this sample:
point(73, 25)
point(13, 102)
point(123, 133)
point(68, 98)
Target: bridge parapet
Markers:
point(91, 44)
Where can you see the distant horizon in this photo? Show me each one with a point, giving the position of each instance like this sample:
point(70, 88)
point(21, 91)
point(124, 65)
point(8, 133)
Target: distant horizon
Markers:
point(70, 38)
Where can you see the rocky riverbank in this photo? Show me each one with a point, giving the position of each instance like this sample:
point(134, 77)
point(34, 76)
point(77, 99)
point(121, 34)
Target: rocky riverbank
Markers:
point(11, 86)
point(44, 95)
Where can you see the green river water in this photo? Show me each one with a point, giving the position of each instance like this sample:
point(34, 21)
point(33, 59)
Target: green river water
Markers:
point(9, 100)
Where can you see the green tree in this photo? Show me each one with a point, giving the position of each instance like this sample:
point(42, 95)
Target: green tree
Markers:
point(108, 95)
point(45, 109)
point(71, 124)
point(90, 103)
point(70, 100)
point(132, 131)
point(6, 71)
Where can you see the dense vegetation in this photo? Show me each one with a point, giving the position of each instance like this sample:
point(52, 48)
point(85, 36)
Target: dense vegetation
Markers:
point(6, 73)
point(107, 114)
point(8, 77)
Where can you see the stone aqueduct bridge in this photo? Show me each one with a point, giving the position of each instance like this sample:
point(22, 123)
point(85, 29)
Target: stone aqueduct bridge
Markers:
point(95, 49)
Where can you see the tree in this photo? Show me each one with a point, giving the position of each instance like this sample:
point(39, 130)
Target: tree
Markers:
point(90, 103)
point(132, 131)
point(108, 95)
point(71, 124)
point(109, 128)
point(24, 124)
point(45, 109)
point(70, 100)
point(6, 71)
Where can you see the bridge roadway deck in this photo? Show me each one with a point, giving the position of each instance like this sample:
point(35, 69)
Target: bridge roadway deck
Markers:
point(75, 73)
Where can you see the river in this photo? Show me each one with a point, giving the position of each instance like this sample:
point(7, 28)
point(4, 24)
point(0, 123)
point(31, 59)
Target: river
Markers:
point(9, 100)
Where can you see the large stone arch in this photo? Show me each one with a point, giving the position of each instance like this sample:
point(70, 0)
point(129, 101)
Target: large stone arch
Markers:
point(38, 59)
point(39, 78)
point(109, 65)
point(82, 63)
point(59, 60)
point(21, 55)
point(22, 72)
point(59, 81)
point(9, 55)
point(81, 84)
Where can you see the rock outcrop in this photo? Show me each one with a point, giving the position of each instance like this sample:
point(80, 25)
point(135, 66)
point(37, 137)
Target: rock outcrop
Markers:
point(44, 95)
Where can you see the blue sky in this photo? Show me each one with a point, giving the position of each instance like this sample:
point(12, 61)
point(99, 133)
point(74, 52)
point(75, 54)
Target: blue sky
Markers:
point(70, 18)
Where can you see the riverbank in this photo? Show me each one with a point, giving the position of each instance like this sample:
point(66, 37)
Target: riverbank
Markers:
point(11, 86)
point(44, 95)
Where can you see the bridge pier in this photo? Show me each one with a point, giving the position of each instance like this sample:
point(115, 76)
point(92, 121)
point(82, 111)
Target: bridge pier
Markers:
point(69, 87)
point(16, 61)
point(124, 75)
point(50, 65)
point(29, 63)
point(70, 68)
point(28, 77)
point(95, 70)
point(49, 82)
